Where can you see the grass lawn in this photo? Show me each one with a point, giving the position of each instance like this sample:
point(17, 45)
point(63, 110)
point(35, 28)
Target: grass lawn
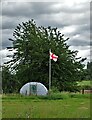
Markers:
point(85, 82)
point(0, 106)
point(56, 106)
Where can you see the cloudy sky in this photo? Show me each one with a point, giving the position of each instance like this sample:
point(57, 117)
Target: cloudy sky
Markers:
point(71, 17)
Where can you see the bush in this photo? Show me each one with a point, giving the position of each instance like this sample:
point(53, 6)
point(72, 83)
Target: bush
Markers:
point(86, 87)
point(55, 96)
point(79, 95)
point(54, 89)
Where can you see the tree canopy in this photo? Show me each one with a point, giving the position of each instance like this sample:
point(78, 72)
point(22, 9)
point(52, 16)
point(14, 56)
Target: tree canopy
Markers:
point(31, 61)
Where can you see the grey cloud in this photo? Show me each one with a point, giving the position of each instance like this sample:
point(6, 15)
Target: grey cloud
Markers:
point(82, 39)
point(78, 42)
point(83, 30)
point(65, 19)
point(14, 9)
point(82, 47)
point(77, 19)
point(26, 8)
point(76, 8)
point(84, 27)
point(91, 43)
point(44, 13)
point(6, 34)
point(6, 43)
point(12, 22)
point(8, 25)
point(54, 14)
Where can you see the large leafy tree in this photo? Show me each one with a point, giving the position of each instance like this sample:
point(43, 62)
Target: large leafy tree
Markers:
point(89, 71)
point(31, 61)
point(9, 81)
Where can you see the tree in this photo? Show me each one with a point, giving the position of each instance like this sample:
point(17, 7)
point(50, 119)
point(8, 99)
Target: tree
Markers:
point(31, 61)
point(10, 83)
point(89, 70)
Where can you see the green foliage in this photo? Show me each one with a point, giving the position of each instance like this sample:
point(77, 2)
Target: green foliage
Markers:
point(89, 70)
point(72, 95)
point(84, 82)
point(31, 61)
point(54, 89)
point(9, 82)
point(86, 85)
point(87, 74)
point(52, 96)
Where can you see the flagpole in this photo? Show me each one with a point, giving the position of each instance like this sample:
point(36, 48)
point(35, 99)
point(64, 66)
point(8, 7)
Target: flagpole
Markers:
point(49, 71)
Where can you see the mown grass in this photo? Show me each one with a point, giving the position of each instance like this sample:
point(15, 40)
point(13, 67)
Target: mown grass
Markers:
point(0, 106)
point(85, 82)
point(58, 105)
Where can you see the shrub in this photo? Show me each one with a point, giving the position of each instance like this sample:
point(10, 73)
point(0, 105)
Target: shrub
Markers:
point(54, 89)
point(86, 87)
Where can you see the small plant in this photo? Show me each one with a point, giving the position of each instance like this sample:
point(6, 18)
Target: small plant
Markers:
point(54, 89)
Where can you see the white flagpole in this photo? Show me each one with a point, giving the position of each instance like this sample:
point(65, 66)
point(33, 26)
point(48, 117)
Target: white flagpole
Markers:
point(49, 71)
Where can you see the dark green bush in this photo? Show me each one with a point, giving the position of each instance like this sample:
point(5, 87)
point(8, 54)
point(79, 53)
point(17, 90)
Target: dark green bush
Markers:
point(86, 87)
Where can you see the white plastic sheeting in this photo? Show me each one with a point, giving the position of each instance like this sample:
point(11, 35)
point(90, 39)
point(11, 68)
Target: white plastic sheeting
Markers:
point(33, 88)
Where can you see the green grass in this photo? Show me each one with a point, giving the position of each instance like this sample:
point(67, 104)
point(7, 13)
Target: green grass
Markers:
point(58, 105)
point(0, 106)
point(85, 82)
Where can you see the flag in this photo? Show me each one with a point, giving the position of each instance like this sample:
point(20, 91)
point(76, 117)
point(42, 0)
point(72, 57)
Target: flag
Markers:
point(53, 56)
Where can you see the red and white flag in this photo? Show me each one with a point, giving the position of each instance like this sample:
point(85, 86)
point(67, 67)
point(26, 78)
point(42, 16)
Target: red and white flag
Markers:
point(53, 56)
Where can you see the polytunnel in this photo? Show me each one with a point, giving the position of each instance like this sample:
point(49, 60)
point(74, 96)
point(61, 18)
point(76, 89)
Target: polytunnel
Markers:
point(33, 88)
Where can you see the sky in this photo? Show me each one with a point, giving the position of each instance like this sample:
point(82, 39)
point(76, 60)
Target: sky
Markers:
point(71, 17)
